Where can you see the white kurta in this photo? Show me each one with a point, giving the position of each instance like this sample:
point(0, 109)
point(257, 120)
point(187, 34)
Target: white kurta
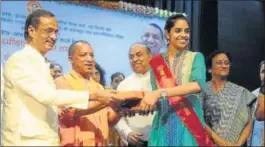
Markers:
point(138, 123)
point(29, 93)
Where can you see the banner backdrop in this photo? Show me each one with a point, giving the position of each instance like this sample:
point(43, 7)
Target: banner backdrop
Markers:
point(110, 32)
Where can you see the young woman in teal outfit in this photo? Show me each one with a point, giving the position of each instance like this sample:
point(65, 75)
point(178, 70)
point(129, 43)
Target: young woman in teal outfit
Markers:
point(188, 70)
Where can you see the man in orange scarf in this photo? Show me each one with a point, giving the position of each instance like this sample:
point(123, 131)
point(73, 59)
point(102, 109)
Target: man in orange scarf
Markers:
point(88, 126)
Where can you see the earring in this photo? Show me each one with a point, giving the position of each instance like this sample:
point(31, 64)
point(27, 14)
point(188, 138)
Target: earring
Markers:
point(209, 71)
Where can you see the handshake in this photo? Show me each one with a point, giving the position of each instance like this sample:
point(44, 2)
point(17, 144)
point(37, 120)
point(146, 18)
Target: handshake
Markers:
point(110, 97)
point(128, 102)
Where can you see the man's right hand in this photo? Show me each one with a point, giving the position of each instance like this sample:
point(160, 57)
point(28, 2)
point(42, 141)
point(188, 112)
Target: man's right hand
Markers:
point(135, 139)
point(104, 96)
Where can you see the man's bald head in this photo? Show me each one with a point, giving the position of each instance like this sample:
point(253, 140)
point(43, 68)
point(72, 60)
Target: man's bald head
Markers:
point(81, 56)
point(148, 50)
point(72, 47)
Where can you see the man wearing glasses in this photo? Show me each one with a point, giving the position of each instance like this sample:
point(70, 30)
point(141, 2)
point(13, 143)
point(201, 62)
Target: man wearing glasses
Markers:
point(30, 90)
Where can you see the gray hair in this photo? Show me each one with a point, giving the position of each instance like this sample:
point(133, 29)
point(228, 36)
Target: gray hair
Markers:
point(142, 45)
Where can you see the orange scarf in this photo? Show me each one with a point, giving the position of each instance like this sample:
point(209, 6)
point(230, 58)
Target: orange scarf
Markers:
point(92, 130)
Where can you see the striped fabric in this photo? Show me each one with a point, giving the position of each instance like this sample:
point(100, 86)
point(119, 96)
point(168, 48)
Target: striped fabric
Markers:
point(228, 111)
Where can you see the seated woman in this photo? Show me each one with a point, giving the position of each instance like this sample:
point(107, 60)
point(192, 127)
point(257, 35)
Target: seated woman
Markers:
point(228, 108)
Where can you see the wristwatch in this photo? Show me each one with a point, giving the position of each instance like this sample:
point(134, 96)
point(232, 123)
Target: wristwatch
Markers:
point(163, 93)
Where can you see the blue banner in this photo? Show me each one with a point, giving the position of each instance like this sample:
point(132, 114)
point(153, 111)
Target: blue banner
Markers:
point(110, 32)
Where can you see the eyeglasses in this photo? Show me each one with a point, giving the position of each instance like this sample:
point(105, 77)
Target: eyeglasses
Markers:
point(50, 31)
point(220, 63)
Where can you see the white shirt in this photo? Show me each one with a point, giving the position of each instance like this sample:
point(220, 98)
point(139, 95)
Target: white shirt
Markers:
point(138, 123)
point(29, 93)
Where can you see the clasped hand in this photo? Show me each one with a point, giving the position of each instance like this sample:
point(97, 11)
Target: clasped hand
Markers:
point(150, 100)
point(147, 105)
point(108, 97)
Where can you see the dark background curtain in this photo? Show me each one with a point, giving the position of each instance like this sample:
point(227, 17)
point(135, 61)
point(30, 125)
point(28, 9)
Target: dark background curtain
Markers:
point(241, 32)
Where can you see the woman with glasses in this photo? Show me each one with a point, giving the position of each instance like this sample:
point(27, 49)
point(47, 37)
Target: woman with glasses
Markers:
point(228, 108)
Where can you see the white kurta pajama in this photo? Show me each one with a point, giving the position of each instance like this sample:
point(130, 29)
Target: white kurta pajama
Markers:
point(29, 93)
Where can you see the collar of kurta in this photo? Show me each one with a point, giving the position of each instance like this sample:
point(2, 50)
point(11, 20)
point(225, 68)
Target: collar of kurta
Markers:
point(37, 55)
point(142, 75)
point(76, 75)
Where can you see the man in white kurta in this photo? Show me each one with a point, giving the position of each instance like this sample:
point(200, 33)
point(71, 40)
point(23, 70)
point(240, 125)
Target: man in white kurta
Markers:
point(30, 90)
point(135, 130)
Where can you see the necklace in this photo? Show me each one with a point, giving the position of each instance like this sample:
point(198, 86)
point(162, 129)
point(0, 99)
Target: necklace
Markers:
point(176, 62)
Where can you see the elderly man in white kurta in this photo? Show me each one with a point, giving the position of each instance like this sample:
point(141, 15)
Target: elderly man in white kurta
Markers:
point(30, 90)
point(135, 130)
